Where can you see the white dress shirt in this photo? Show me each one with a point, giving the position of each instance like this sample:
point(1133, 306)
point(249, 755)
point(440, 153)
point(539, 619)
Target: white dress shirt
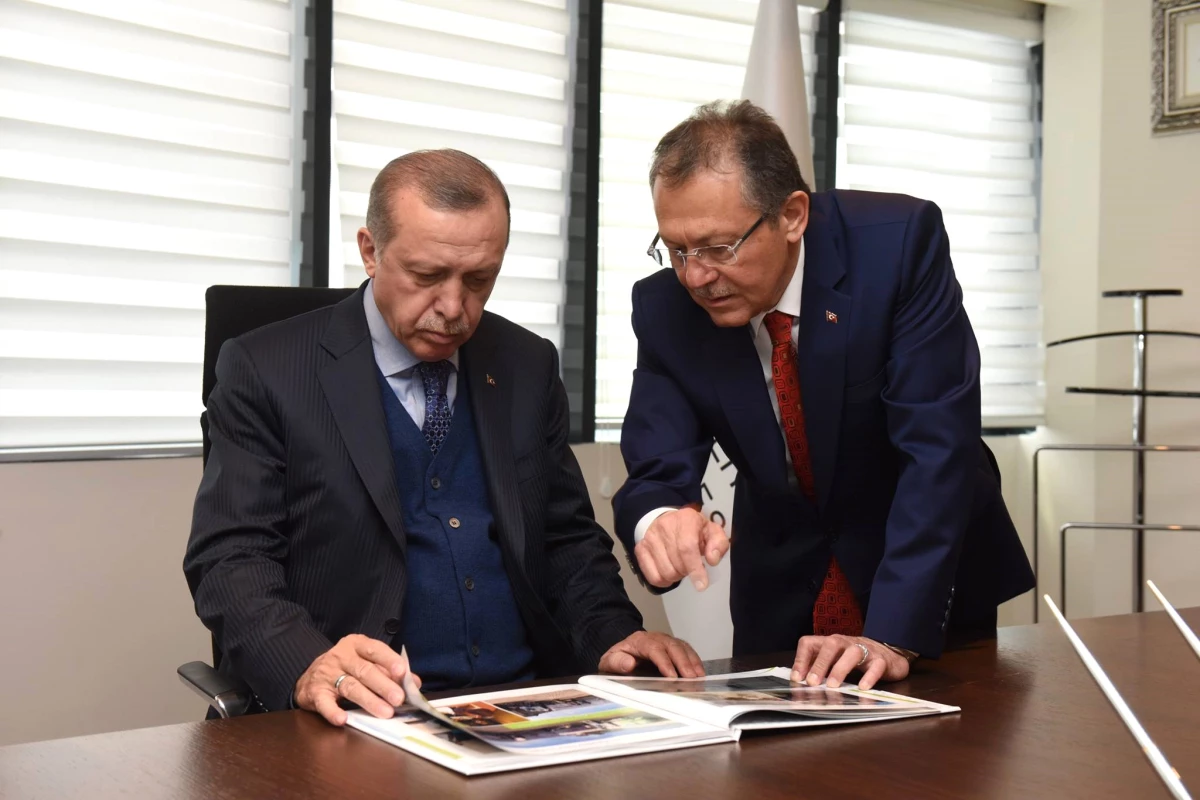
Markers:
point(789, 303)
point(398, 365)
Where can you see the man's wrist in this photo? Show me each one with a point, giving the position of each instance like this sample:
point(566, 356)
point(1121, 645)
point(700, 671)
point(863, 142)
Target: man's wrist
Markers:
point(639, 531)
point(909, 655)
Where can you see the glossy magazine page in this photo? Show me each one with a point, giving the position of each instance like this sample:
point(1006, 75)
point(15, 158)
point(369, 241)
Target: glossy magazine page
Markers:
point(523, 728)
point(763, 698)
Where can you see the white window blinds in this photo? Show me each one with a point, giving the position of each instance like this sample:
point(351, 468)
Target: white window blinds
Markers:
point(146, 153)
point(490, 78)
point(947, 113)
point(661, 59)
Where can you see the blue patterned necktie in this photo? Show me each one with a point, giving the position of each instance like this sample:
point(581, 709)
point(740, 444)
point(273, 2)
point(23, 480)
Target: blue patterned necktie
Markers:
point(435, 375)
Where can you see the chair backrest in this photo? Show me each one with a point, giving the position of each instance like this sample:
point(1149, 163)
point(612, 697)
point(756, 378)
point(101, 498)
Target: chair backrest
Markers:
point(231, 311)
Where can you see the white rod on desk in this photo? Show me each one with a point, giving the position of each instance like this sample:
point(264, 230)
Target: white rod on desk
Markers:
point(1169, 776)
point(1178, 620)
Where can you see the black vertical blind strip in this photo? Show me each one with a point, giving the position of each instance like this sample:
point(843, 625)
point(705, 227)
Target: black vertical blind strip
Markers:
point(576, 367)
point(591, 26)
point(307, 181)
point(1037, 55)
point(318, 71)
point(825, 87)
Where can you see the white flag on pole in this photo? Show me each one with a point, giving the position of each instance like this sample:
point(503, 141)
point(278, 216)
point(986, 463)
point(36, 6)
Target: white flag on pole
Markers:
point(775, 77)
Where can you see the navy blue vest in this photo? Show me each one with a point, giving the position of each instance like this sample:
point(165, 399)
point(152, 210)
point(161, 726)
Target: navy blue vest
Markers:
point(461, 625)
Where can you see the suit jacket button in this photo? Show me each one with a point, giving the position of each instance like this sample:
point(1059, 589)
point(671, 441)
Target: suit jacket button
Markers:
point(391, 627)
point(436, 483)
point(470, 584)
point(475, 650)
point(454, 523)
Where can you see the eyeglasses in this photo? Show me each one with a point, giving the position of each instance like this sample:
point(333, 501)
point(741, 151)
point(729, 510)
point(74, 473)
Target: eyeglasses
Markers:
point(717, 255)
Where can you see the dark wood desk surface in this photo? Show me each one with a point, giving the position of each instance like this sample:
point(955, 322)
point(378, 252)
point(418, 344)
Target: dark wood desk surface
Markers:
point(1033, 725)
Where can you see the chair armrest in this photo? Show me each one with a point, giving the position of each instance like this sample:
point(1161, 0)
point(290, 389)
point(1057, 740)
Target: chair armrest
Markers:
point(230, 697)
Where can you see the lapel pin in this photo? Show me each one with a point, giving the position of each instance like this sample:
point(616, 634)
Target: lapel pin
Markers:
point(491, 381)
point(831, 317)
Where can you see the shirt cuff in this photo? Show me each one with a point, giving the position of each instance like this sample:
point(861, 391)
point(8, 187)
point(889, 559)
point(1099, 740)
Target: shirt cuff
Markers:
point(639, 530)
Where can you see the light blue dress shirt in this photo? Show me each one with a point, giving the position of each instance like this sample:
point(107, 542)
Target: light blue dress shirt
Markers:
point(397, 364)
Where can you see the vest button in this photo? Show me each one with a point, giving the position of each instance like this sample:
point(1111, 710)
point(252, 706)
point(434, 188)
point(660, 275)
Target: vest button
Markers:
point(454, 523)
point(475, 650)
point(470, 584)
point(436, 483)
point(391, 627)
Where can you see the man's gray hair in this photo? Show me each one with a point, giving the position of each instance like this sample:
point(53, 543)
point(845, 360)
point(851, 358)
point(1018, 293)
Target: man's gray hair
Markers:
point(723, 136)
point(447, 180)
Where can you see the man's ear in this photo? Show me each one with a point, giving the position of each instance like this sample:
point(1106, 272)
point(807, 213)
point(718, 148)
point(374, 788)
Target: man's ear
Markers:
point(795, 215)
point(366, 249)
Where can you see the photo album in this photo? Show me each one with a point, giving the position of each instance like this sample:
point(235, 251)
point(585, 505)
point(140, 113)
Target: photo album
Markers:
point(608, 716)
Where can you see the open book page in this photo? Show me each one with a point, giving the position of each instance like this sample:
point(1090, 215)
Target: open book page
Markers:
point(763, 698)
point(522, 728)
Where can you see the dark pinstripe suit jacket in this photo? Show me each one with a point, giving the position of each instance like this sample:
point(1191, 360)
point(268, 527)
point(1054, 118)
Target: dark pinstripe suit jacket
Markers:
point(297, 537)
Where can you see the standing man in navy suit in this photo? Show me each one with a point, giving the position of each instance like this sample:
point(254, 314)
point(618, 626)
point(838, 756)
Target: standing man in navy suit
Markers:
point(821, 339)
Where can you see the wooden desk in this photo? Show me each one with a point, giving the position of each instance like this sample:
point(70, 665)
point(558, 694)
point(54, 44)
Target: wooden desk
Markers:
point(1033, 725)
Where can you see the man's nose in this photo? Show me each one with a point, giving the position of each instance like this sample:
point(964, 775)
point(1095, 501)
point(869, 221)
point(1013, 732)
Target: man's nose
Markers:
point(697, 274)
point(450, 302)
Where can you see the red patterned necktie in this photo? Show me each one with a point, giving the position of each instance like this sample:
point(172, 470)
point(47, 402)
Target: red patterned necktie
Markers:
point(836, 609)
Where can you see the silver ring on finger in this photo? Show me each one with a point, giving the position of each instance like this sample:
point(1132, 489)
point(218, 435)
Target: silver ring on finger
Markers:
point(866, 654)
point(337, 685)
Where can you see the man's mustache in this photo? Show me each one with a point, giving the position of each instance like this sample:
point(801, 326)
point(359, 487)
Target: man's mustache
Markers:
point(443, 326)
point(713, 291)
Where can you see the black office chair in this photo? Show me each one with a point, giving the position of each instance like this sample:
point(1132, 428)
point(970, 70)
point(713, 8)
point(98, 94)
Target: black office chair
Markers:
point(231, 311)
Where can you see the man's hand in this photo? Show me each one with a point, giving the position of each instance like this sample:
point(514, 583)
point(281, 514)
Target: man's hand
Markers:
point(832, 658)
point(678, 543)
point(674, 658)
point(373, 673)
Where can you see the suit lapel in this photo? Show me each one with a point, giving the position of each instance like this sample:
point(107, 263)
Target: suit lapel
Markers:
point(490, 390)
point(743, 390)
point(352, 391)
point(821, 349)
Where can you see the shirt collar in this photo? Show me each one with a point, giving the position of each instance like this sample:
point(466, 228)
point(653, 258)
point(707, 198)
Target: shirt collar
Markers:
point(789, 303)
point(391, 356)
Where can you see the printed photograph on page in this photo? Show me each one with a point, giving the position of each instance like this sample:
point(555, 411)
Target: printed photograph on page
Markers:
point(763, 690)
point(539, 720)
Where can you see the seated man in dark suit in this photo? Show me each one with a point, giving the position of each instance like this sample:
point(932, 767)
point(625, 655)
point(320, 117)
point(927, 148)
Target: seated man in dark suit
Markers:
point(821, 339)
point(394, 470)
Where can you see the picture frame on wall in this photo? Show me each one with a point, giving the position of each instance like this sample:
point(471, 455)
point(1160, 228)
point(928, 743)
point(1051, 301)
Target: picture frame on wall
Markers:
point(1176, 101)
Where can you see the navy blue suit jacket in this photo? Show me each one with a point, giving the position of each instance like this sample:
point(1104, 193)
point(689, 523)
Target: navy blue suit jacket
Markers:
point(907, 494)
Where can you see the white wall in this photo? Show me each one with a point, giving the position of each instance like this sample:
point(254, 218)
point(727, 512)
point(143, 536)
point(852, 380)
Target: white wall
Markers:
point(1150, 237)
point(1120, 210)
point(96, 614)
